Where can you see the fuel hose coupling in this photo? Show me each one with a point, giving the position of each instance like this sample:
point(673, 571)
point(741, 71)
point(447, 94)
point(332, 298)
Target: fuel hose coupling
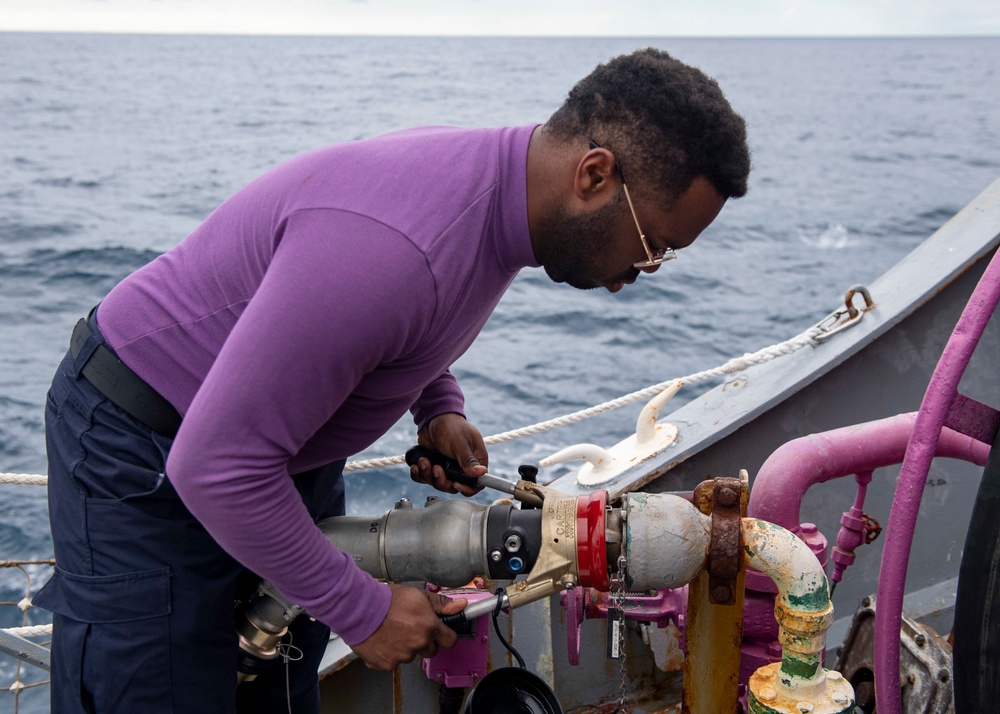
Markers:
point(573, 546)
point(260, 626)
point(665, 540)
point(592, 540)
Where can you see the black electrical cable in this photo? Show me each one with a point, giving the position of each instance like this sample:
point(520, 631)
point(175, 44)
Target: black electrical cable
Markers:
point(496, 628)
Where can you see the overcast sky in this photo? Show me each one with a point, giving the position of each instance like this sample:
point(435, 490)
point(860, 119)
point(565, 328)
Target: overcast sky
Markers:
point(511, 17)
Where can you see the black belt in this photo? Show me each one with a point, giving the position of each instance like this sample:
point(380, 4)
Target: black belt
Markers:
point(123, 387)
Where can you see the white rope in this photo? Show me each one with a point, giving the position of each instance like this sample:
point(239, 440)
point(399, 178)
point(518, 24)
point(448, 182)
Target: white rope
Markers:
point(737, 364)
point(31, 631)
point(24, 479)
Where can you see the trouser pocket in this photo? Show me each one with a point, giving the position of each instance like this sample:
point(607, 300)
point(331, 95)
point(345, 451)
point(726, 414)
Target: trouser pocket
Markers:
point(98, 620)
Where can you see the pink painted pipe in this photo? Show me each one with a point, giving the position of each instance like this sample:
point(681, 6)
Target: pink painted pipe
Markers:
point(788, 473)
point(920, 450)
point(793, 468)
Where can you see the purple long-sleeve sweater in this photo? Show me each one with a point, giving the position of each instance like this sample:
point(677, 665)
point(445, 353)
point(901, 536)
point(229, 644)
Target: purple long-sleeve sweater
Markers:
point(305, 316)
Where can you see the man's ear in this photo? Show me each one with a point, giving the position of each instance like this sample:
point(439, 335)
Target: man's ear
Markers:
point(594, 175)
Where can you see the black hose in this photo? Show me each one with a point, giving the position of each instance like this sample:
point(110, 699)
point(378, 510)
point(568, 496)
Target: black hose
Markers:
point(496, 628)
point(976, 652)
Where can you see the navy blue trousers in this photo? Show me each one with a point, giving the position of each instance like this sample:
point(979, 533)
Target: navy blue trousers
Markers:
point(142, 597)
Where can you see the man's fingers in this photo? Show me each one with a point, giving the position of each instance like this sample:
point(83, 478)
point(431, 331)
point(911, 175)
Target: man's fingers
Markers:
point(445, 605)
point(441, 482)
point(473, 466)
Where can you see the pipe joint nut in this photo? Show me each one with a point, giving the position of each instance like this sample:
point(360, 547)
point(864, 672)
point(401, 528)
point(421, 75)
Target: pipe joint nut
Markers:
point(803, 623)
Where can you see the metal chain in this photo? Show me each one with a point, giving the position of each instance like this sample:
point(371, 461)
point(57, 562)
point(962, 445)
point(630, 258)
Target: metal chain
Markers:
point(618, 597)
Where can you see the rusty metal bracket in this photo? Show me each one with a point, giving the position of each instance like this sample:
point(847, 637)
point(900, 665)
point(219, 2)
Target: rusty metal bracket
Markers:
point(726, 545)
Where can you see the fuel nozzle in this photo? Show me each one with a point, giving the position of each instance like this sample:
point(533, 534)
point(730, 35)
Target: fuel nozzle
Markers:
point(261, 624)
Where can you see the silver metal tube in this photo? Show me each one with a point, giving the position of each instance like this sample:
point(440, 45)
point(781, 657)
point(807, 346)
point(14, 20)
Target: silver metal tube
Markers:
point(484, 607)
point(444, 543)
point(497, 483)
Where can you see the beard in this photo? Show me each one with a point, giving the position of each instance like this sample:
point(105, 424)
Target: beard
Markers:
point(577, 247)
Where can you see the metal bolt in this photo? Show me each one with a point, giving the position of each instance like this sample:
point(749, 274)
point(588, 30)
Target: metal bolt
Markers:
point(404, 503)
point(569, 586)
point(944, 675)
point(727, 497)
point(721, 592)
point(774, 648)
point(804, 707)
point(495, 556)
point(767, 695)
point(513, 543)
point(430, 500)
point(867, 602)
point(920, 640)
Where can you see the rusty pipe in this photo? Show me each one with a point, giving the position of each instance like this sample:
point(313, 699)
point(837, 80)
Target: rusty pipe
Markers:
point(804, 614)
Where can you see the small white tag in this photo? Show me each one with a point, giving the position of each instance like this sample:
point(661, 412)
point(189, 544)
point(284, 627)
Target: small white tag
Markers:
point(615, 625)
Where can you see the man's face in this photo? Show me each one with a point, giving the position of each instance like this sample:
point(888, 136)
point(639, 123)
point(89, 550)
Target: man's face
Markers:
point(598, 248)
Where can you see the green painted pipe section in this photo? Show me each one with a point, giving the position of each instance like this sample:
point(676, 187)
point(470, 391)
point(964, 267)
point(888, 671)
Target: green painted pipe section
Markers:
point(802, 608)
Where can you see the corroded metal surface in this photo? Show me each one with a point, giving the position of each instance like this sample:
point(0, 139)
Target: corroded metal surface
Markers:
point(925, 674)
point(780, 554)
point(770, 695)
point(799, 684)
point(802, 608)
point(714, 632)
point(724, 555)
point(712, 650)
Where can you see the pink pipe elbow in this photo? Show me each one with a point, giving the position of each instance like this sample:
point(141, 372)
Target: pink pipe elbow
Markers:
point(783, 479)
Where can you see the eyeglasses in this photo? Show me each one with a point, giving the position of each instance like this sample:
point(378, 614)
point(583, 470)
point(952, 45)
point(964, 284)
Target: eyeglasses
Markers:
point(653, 258)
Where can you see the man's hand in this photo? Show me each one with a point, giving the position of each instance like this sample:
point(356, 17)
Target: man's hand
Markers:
point(450, 434)
point(411, 627)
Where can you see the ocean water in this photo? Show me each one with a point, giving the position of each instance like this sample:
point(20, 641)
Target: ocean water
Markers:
point(112, 148)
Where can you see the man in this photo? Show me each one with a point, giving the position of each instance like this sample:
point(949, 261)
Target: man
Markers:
point(294, 327)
